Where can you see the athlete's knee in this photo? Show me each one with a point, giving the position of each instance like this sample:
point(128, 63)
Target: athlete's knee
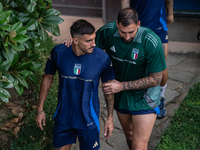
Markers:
point(139, 146)
point(128, 135)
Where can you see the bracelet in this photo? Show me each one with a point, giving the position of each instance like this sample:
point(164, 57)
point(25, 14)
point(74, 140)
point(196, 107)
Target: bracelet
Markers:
point(39, 112)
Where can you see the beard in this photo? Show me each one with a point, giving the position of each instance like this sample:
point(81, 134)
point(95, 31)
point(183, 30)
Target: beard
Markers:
point(127, 41)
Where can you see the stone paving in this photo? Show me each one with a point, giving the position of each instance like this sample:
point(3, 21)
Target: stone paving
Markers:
point(184, 71)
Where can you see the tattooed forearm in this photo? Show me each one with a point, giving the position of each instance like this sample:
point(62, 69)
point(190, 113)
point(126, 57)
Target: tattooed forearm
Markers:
point(169, 7)
point(125, 4)
point(153, 80)
point(109, 102)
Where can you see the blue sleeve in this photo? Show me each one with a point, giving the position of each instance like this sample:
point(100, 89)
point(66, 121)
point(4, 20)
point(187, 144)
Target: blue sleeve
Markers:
point(51, 65)
point(108, 72)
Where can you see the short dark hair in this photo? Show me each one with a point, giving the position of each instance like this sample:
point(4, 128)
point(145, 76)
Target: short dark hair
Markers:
point(127, 16)
point(81, 27)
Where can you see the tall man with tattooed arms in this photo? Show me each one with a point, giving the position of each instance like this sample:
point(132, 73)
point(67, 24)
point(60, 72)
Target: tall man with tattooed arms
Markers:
point(138, 61)
point(155, 14)
point(79, 66)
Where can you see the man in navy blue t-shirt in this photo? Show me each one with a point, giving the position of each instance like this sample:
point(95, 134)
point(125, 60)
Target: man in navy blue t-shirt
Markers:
point(79, 67)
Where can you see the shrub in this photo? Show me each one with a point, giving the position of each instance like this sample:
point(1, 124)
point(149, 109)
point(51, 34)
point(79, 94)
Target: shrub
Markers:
point(23, 29)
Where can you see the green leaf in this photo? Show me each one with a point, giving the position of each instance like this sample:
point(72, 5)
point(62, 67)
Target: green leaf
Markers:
point(5, 27)
point(34, 78)
point(52, 20)
point(16, 82)
point(18, 46)
point(1, 58)
point(20, 38)
point(19, 89)
point(32, 34)
point(51, 12)
point(4, 84)
point(25, 73)
point(42, 32)
point(15, 59)
point(2, 33)
point(41, 2)
point(4, 16)
point(2, 95)
point(24, 66)
point(10, 54)
point(5, 65)
point(4, 99)
point(1, 8)
point(49, 1)
point(8, 77)
point(5, 92)
point(22, 81)
point(25, 17)
point(31, 5)
point(54, 30)
point(21, 30)
point(16, 25)
point(29, 44)
point(33, 57)
point(32, 24)
point(35, 66)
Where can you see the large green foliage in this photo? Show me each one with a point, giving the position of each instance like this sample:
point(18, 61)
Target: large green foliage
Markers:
point(23, 29)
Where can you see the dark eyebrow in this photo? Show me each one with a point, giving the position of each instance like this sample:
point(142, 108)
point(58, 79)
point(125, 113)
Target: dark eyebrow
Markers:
point(127, 32)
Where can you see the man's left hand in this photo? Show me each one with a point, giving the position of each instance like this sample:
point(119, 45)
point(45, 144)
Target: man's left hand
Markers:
point(112, 87)
point(170, 19)
point(108, 128)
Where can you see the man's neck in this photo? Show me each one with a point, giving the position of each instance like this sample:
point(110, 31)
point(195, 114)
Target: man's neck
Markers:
point(77, 50)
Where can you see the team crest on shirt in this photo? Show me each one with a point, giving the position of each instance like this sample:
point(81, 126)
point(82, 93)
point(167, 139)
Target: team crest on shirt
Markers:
point(77, 69)
point(134, 54)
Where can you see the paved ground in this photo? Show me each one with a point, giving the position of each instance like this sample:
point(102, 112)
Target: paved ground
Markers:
point(183, 67)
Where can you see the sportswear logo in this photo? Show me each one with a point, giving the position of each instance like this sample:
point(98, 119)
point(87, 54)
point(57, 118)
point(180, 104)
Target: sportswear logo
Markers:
point(113, 49)
point(77, 69)
point(49, 57)
point(95, 144)
point(134, 54)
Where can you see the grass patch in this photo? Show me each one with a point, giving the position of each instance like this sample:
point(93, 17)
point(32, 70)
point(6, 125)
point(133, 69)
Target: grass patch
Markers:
point(184, 131)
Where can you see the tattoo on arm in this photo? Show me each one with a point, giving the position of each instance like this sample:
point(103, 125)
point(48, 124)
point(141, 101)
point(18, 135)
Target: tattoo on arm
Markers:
point(153, 80)
point(59, 148)
point(109, 102)
point(40, 112)
point(125, 4)
point(169, 7)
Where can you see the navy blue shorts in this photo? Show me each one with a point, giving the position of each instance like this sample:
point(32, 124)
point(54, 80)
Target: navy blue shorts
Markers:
point(140, 112)
point(63, 135)
point(163, 36)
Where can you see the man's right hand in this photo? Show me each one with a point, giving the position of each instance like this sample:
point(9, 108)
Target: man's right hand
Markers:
point(40, 119)
point(68, 42)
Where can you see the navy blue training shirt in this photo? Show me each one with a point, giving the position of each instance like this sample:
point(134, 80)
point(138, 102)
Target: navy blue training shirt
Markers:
point(152, 14)
point(78, 103)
